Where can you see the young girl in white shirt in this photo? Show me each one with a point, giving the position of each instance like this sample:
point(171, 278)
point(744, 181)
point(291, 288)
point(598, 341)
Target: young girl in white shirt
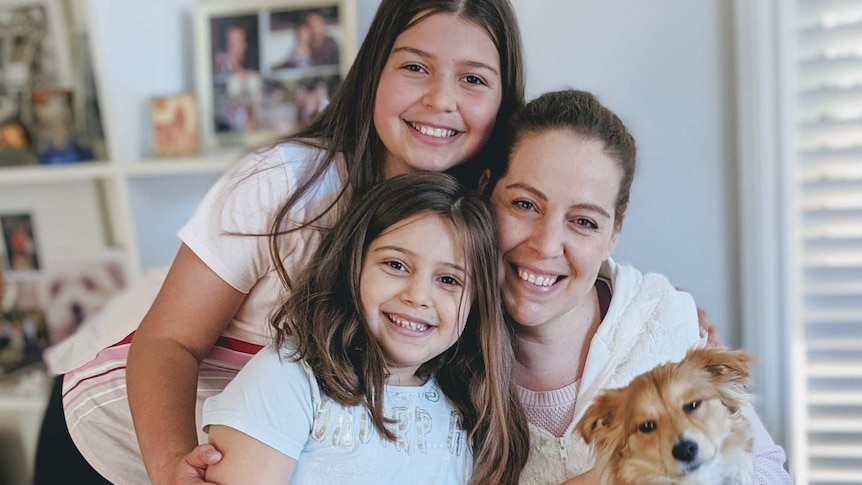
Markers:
point(391, 360)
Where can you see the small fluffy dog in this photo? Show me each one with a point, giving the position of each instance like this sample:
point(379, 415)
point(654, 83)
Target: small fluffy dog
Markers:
point(679, 423)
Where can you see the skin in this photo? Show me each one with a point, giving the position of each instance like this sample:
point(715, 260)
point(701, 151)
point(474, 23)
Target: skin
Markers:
point(403, 279)
point(443, 74)
point(195, 305)
point(413, 294)
point(555, 210)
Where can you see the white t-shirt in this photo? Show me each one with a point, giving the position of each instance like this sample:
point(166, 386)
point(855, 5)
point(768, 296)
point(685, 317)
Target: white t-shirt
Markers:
point(279, 402)
point(244, 202)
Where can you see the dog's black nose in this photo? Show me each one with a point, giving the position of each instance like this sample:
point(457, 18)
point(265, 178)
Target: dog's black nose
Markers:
point(685, 451)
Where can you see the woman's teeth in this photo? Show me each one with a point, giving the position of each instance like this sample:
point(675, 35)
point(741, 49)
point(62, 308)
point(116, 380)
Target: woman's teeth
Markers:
point(421, 327)
point(536, 279)
point(435, 132)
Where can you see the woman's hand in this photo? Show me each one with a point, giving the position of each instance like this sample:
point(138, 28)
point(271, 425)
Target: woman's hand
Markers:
point(707, 329)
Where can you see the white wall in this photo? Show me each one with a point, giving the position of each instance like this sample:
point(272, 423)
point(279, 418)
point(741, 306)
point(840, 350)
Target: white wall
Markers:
point(664, 66)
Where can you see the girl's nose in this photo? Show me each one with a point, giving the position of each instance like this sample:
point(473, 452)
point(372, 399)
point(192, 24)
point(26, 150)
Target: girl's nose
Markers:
point(417, 293)
point(441, 95)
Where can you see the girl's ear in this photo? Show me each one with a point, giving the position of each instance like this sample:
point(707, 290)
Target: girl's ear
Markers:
point(484, 179)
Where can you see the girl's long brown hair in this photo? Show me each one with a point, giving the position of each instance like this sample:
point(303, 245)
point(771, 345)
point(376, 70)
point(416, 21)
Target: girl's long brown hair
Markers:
point(323, 320)
point(345, 128)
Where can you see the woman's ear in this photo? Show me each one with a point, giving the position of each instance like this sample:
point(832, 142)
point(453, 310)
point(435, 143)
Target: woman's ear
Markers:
point(484, 179)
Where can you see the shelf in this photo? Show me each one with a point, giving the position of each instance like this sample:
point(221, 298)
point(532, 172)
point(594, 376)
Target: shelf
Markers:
point(215, 163)
point(36, 174)
point(54, 173)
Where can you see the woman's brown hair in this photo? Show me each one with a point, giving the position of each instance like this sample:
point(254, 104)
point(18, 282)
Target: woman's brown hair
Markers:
point(583, 114)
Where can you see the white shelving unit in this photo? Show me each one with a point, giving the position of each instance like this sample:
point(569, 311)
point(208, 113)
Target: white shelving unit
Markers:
point(129, 204)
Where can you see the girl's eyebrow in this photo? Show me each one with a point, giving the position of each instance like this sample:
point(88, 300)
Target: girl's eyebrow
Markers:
point(411, 253)
point(541, 195)
point(426, 55)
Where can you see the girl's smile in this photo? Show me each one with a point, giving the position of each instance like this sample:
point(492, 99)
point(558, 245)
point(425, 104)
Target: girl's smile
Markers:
point(414, 293)
point(438, 95)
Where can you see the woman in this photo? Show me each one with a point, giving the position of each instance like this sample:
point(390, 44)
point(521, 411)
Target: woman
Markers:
point(582, 322)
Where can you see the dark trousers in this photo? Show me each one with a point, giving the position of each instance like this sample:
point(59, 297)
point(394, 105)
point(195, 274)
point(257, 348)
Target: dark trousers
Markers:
point(57, 459)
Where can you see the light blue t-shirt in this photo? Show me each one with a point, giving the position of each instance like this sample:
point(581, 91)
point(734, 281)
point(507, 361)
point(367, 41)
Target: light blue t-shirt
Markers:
point(278, 401)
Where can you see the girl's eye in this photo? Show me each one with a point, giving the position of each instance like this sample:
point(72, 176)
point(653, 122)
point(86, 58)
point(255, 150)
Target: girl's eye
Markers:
point(396, 265)
point(691, 406)
point(450, 280)
point(475, 80)
point(414, 68)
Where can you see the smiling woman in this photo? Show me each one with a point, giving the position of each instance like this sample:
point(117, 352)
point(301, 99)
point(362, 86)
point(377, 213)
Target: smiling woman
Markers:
point(582, 321)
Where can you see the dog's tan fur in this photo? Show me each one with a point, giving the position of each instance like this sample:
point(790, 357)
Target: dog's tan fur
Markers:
point(634, 429)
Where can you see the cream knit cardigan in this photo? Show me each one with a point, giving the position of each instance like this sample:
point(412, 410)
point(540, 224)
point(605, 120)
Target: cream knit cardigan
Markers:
point(648, 323)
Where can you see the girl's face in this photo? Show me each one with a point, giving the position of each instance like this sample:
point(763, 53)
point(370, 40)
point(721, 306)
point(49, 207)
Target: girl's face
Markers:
point(555, 213)
point(438, 96)
point(415, 293)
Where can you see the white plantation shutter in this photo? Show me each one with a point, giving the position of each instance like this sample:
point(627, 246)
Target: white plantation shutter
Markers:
point(827, 93)
point(799, 135)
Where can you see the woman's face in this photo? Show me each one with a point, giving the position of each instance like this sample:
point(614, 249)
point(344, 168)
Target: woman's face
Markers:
point(555, 213)
point(438, 95)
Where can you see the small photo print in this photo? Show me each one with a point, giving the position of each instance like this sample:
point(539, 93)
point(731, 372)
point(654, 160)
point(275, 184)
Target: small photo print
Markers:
point(57, 143)
point(175, 125)
point(20, 241)
point(23, 337)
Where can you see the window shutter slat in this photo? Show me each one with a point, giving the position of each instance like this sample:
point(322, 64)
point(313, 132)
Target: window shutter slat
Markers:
point(828, 131)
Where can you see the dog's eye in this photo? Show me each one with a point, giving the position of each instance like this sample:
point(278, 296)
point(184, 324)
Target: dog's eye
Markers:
point(647, 427)
point(691, 406)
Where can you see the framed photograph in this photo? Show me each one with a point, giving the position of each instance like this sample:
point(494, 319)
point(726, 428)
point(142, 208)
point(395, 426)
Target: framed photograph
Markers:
point(175, 125)
point(54, 112)
point(265, 67)
point(23, 337)
point(34, 54)
point(19, 238)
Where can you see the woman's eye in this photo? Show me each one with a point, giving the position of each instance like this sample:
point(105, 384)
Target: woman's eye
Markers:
point(396, 265)
point(584, 222)
point(524, 204)
point(474, 80)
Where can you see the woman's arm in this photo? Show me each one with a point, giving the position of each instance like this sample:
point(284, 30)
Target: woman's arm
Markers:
point(191, 311)
point(769, 458)
point(246, 460)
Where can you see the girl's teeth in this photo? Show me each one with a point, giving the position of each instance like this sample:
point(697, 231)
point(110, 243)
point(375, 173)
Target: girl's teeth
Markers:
point(435, 132)
point(408, 324)
point(536, 280)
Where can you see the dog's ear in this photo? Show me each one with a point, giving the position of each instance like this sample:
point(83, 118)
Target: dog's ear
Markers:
point(728, 370)
point(599, 420)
